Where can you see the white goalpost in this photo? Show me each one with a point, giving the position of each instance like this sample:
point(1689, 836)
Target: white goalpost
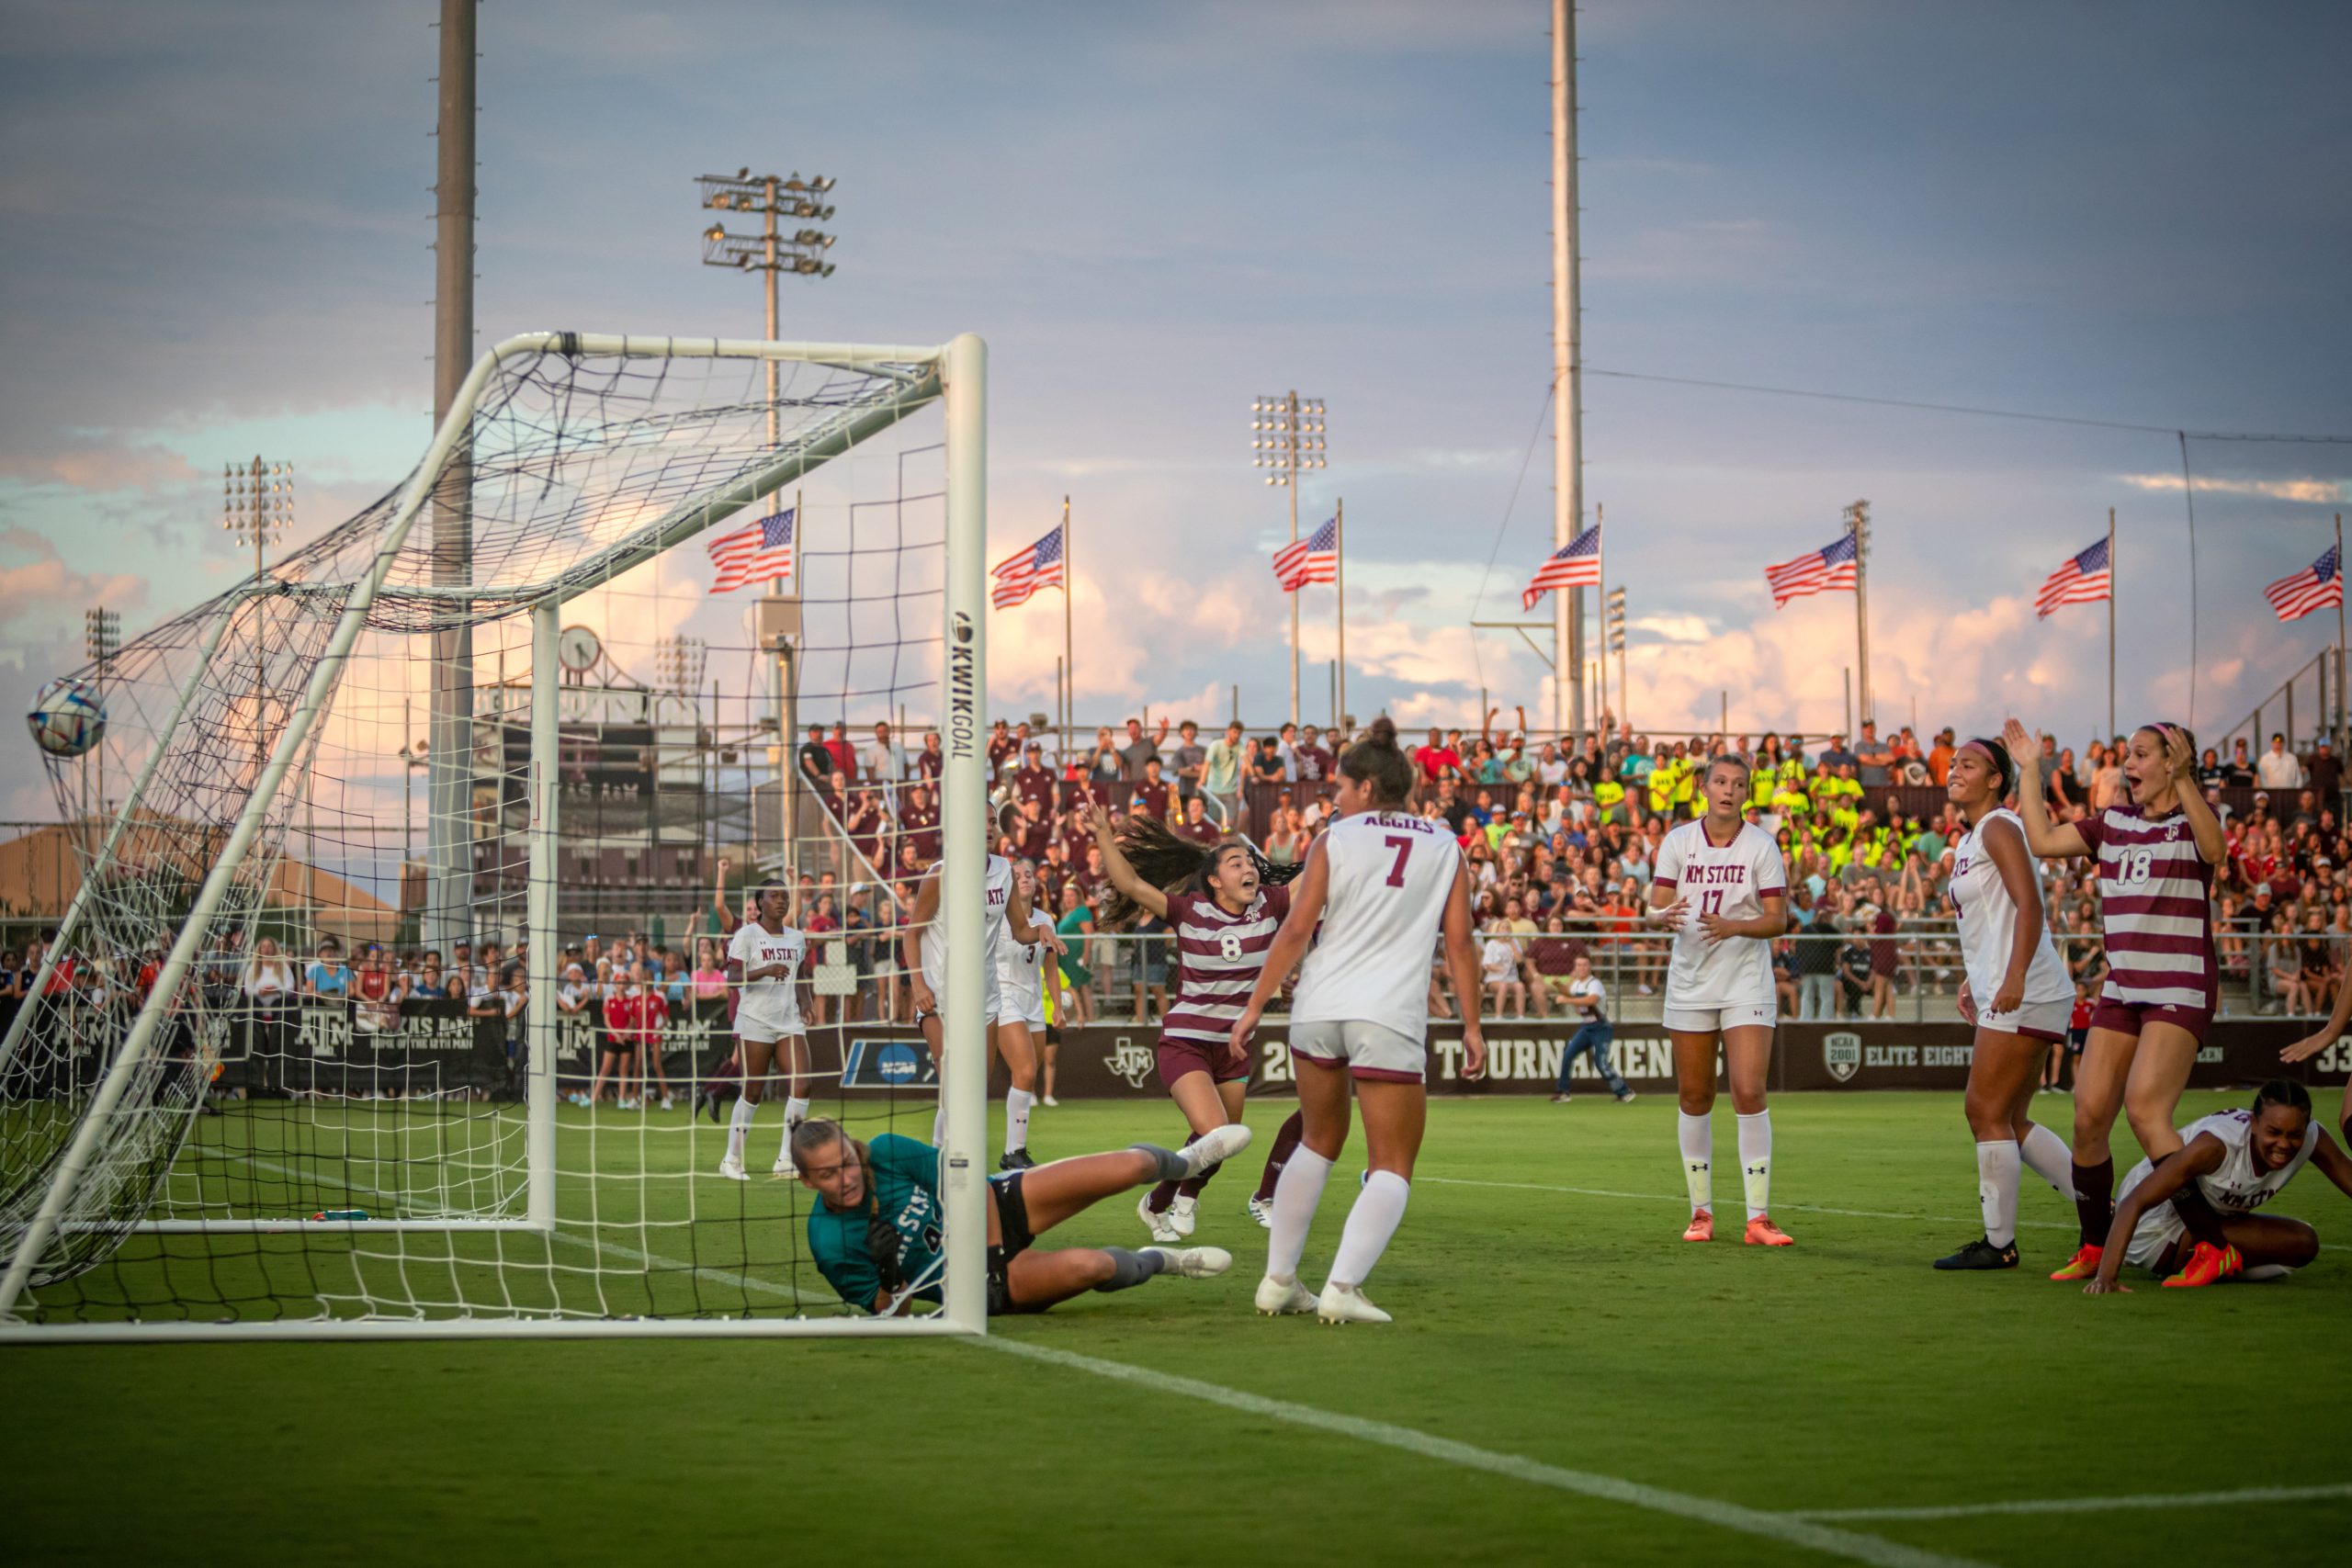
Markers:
point(181, 1086)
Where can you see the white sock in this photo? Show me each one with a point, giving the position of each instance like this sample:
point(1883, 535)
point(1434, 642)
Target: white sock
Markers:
point(1756, 1162)
point(939, 1128)
point(796, 1111)
point(1295, 1196)
point(2257, 1272)
point(2047, 1156)
point(1698, 1138)
point(739, 1127)
point(1997, 1189)
point(1017, 1102)
point(1378, 1210)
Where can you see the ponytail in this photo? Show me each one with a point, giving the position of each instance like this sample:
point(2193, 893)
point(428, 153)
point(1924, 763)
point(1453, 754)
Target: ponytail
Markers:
point(1377, 762)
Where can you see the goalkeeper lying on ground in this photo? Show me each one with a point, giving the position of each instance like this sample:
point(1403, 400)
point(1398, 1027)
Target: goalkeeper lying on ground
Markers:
point(876, 1230)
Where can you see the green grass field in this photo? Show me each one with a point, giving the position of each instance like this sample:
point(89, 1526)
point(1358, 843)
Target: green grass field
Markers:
point(1566, 1379)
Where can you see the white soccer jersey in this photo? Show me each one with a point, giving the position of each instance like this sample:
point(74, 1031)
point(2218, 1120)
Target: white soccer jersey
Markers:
point(1387, 877)
point(1020, 979)
point(1988, 923)
point(998, 902)
point(2238, 1188)
point(1731, 880)
point(772, 1004)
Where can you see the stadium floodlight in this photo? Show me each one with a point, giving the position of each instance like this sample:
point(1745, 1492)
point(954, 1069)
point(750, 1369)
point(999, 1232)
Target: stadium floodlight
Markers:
point(678, 663)
point(1292, 443)
point(101, 640)
point(392, 1169)
point(257, 506)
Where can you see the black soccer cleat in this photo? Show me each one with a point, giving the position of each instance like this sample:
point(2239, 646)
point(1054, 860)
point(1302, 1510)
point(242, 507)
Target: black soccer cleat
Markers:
point(1980, 1253)
point(1017, 1160)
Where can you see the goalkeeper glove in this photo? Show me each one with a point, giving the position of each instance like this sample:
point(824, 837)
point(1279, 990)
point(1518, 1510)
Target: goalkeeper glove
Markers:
point(882, 1241)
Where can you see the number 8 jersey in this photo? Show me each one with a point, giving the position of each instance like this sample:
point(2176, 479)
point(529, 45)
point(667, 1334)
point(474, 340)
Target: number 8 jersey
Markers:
point(1387, 877)
point(1731, 880)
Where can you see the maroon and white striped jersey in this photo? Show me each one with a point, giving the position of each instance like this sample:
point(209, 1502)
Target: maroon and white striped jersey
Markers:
point(2156, 906)
point(1218, 958)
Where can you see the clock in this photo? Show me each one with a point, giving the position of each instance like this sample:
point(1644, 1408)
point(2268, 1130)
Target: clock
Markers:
point(577, 650)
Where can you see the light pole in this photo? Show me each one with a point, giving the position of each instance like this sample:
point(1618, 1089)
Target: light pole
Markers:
point(1857, 522)
point(257, 506)
point(1287, 437)
point(102, 634)
point(415, 753)
point(1613, 634)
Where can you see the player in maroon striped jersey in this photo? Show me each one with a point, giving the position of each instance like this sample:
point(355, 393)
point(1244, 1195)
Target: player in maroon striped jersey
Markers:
point(1223, 920)
point(2155, 854)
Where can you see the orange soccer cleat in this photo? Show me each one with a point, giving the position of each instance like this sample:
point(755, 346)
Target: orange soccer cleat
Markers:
point(1762, 1231)
point(1703, 1226)
point(2082, 1265)
point(2207, 1265)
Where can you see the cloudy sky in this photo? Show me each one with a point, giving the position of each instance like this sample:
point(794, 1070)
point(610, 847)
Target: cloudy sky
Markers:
point(217, 220)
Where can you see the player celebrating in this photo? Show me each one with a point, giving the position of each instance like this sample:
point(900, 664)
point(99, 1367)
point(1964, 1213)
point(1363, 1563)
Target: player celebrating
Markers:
point(875, 1232)
point(2312, 1044)
point(925, 956)
point(1225, 922)
point(2235, 1161)
point(1020, 1026)
point(2016, 992)
point(2155, 853)
point(767, 1024)
point(1721, 884)
point(1382, 881)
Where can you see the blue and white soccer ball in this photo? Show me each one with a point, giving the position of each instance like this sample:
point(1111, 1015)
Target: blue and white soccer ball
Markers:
point(67, 717)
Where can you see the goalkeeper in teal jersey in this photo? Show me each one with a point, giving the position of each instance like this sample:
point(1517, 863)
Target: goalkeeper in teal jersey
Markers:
point(878, 1231)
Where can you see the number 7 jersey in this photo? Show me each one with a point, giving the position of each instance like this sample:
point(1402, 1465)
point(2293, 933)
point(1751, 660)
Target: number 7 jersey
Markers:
point(1731, 880)
point(1388, 875)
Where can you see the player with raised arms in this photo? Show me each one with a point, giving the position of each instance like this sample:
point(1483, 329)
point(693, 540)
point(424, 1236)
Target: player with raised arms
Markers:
point(877, 1230)
point(767, 1024)
point(2016, 992)
point(1382, 882)
point(924, 953)
point(1721, 885)
point(2156, 852)
point(1223, 920)
point(2232, 1162)
point(2311, 1045)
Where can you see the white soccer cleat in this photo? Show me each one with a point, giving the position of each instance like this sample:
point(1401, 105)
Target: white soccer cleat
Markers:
point(783, 1166)
point(731, 1168)
point(1195, 1262)
point(1345, 1304)
point(1262, 1210)
point(1214, 1147)
point(668, 1103)
point(1180, 1215)
point(1158, 1225)
point(1278, 1299)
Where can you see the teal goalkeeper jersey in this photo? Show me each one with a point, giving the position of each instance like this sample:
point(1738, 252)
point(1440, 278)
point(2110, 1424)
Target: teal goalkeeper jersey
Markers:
point(905, 1179)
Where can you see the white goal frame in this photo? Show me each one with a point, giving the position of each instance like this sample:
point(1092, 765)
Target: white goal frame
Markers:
point(953, 374)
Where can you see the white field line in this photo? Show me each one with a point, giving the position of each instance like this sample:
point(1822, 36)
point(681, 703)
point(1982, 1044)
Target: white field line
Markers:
point(1777, 1207)
point(2087, 1504)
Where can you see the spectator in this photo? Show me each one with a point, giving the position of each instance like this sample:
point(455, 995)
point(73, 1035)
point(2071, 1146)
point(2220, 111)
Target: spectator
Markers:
point(1835, 755)
point(1196, 825)
point(884, 760)
point(2280, 768)
point(1586, 1002)
point(817, 766)
point(1151, 794)
point(2323, 771)
point(1267, 766)
point(1221, 773)
point(1816, 964)
point(1191, 758)
point(1437, 759)
point(1033, 781)
point(1139, 748)
point(931, 761)
point(326, 979)
point(2239, 773)
point(1313, 763)
point(1004, 751)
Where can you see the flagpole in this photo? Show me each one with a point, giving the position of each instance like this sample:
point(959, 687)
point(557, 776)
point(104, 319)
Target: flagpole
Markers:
point(2339, 632)
point(2110, 620)
point(1069, 657)
point(1601, 607)
point(1339, 585)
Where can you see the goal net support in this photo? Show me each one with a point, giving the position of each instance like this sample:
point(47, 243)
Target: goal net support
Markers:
point(214, 1122)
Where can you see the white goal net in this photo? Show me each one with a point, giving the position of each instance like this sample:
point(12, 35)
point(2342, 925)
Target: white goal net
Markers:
point(394, 993)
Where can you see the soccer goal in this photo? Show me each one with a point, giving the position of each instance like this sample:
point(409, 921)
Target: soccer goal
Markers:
point(393, 980)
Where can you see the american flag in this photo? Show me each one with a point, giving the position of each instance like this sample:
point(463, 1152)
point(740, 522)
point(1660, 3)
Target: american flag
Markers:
point(1576, 564)
point(761, 552)
point(2315, 587)
point(2086, 579)
point(1824, 570)
point(1020, 575)
point(1312, 560)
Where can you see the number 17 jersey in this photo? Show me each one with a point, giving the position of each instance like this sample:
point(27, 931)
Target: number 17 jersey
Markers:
point(1731, 880)
point(1387, 877)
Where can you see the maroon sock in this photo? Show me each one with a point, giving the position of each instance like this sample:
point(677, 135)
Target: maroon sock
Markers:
point(2095, 1199)
point(1191, 1186)
point(1285, 1145)
point(1165, 1193)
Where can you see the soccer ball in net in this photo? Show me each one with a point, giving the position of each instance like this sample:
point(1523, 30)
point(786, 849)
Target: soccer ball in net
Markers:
point(67, 717)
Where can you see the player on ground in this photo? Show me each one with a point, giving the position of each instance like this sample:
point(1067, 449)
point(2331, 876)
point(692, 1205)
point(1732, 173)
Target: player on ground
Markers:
point(2155, 853)
point(2234, 1161)
point(2016, 992)
point(924, 953)
point(1224, 922)
point(767, 1024)
point(1381, 881)
point(1722, 885)
point(877, 1229)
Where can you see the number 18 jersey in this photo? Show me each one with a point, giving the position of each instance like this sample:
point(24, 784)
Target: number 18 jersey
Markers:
point(1731, 880)
point(1387, 877)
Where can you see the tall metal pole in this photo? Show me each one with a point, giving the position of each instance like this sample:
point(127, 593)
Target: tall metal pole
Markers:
point(449, 750)
point(1293, 598)
point(1857, 520)
point(2339, 638)
point(542, 1026)
point(1340, 549)
point(1069, 683)
point(1567, 381)
point(2110, 620)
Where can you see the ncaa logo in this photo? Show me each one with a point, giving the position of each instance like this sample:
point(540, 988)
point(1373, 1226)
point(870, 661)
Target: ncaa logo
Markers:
point(885, 1064)
point(1841, 1052)
point(1130, 1061)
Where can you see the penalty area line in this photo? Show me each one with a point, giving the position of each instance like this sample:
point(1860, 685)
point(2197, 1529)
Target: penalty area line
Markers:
point(1787, 1528)
point(2083, 1505)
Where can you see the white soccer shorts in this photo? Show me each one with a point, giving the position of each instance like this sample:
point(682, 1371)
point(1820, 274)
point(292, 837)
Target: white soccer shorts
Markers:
point(765, 1029)
point(1714, 1021)
point(1367, 1049)
point(2040, 1020)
